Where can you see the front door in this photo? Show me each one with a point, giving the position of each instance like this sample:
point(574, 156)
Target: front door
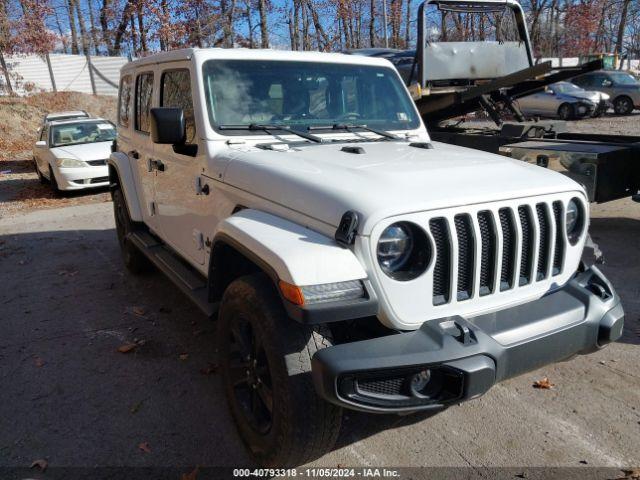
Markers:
point(140, 149)
point(182, 211)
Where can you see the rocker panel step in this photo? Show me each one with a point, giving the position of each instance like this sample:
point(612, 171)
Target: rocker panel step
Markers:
point(186, 278)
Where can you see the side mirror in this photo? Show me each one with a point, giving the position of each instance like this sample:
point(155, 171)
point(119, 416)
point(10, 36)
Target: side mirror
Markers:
point(41, 144)
point(168, 126)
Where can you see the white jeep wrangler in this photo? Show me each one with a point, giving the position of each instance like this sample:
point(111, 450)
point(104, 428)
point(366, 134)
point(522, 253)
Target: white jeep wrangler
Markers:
point(350, 262)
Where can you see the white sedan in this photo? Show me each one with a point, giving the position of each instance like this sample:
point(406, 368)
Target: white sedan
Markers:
point(72, 154)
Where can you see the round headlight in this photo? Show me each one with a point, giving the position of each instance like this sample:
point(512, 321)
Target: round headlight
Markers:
point(403, 251)
point(574, 220)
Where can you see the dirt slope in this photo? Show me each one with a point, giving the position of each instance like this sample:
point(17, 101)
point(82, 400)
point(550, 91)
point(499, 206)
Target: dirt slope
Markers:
point(20, 117)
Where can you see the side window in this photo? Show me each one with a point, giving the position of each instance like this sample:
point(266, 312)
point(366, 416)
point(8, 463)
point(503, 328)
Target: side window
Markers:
point(144, 94)
point(176, 92)
point(124, 105)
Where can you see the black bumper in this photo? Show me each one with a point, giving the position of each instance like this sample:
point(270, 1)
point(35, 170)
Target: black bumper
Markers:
point(459, 359)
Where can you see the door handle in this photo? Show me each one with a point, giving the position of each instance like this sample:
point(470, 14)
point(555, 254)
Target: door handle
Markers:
point(134, 154)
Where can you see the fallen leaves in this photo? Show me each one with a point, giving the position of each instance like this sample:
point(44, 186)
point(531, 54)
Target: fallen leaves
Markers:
point(631, 474)
point(209, 369)
point(139, 311)
point(127, 347)
point(38, 362)
point(41, 464)
point(136, 408)
point(144, 446)
point(184, 356)
point(543, 384)
point(67, 273)
point(190, 476)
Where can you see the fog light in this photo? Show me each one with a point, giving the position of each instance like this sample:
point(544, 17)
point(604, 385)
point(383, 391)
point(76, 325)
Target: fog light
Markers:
point(419, 382)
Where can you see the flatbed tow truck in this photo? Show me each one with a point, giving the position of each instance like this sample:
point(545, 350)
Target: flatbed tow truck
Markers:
point(451, 79)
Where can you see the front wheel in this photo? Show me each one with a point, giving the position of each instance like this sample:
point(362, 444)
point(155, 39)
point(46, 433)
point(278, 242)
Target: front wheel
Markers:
point(53, 181)
point(265, 360)
point(41, 177)
point(623, 105)
point(134, 259)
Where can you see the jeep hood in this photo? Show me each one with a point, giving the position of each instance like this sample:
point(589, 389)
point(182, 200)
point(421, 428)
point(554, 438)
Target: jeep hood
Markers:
point(386, 179)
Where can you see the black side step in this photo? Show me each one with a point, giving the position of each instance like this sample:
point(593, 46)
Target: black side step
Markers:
point(190, 281)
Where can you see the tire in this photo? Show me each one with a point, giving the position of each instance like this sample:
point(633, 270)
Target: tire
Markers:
point(566, 111)
point(134, 259)
point(623, 105)
point(265, 360)
point(41, 177)
point(54, 182)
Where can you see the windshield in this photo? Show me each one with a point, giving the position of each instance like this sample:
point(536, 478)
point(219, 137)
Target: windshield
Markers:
point(303, 95)
point(79, 133)
point(566, 87)
point(623, 79)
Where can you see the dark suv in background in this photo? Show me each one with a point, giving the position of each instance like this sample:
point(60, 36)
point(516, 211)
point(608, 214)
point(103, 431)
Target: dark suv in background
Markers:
point(622, 87)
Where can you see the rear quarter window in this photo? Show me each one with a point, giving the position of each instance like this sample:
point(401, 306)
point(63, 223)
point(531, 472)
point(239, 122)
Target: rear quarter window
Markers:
point(124, 101)
point(144, 96)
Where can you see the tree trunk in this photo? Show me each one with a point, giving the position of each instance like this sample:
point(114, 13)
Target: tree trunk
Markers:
point(5, 70)
point(247, 13)
point(104, 24)
point(407, 25)
point(83, 29)
point(372, 24)
point(264, 24)
point(72, 27)
point(122, 27)
point(134, 36)
point(141, 29)
point(621, 26)
point(94, 34)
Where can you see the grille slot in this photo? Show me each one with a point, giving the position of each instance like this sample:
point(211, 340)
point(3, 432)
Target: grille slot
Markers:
point(488, 252)
point(96, 163)
point(558, 254)
point(466, 255)
point(543, 241)
point(526, 256)
point(389, 386)
point(508, 228)
point(442, 268)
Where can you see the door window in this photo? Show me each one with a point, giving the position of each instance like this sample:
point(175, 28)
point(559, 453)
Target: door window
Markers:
point(176, 92)
point(144, 95)
point(124, 105)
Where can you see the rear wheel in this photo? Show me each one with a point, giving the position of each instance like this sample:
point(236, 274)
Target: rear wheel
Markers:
point(623, 105)
point(566, 111)
point(134, 259)
point(266, 370)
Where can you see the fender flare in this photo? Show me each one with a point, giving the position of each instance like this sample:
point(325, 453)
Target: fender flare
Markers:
point(295, 254)
point(120, 173)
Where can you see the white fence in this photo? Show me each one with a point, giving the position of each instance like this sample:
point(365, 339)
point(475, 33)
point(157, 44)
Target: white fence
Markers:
point(70, 72)
point(573, 61)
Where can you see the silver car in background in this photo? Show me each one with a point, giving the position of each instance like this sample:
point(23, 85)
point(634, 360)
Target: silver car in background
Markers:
point(622, 87)
point(563, 100)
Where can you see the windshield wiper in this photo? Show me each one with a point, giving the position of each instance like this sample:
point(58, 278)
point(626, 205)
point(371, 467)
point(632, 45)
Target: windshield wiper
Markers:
point(350, 127)
point(270, 130)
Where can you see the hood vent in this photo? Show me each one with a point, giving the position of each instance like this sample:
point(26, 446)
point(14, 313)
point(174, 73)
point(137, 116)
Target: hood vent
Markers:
point(355, 150)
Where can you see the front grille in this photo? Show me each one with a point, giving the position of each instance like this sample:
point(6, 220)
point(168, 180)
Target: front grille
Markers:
point(97, 163)
point(99, 180)
point(524, 240)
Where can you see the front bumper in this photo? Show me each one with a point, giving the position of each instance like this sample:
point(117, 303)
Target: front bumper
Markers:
point(82, 177)
point(461, 359)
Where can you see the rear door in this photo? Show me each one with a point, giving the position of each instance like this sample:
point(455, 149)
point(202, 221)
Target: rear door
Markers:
point(182, 212)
